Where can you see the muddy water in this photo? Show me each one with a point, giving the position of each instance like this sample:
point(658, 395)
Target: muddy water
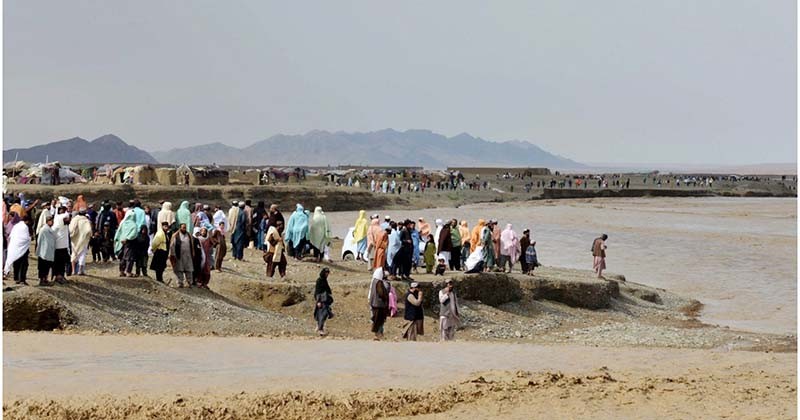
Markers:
point(736, 255)
point(54, 365)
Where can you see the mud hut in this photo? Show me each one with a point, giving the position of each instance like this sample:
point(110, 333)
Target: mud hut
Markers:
point(166, 176)
point(245, 177)
point(201, 175)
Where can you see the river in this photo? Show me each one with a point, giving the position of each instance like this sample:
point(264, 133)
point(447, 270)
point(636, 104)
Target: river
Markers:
point(738, 256)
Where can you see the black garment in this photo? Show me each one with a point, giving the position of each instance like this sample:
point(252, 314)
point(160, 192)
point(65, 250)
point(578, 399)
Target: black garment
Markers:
point(322, 286)
point(21, 268)
point(455, 259)
point(60, 261)
point(405, 256)
point(524, 241)
point(378, 318)
point(413, 312)
point(95, 244)
point(44, 267)
point(140, 245)
point(478, 268)
point(445, 240)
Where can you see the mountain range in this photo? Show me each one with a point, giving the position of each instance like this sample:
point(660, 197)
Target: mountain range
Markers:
point(376, 148)
point(316, 148)
point(104, 149)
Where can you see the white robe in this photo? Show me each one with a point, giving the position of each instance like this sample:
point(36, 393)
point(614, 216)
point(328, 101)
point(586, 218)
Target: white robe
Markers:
point(19, 241)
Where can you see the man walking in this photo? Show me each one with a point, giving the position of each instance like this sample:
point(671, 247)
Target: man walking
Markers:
point(449, 314)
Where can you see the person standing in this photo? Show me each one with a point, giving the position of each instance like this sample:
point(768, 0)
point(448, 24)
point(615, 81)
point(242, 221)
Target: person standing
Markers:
point(449, 314)
point(124, 245)
point(159, 246)
point(319, 232)
point(61, 258)
point(405, 255)
point(45, 250)
point(394, 248)
point(374, 234)
point(297, 231)
point(599, 254)
point(445, 242)
point(381, 248)
point(509, 248)
point(203, 246)
point(524, 242)
point(488, 246)
point(181, 255)
point(275, 256)
point(360, 235)
point(414, 313)
point(239, 235)
point(221, 247)
point(80, 233)
point(141, 245)
point(379, 302)
point(323, 298)
point(455, 238)
point(19, 243)
point(183, 215)
point(496, 240)
point(415, 240)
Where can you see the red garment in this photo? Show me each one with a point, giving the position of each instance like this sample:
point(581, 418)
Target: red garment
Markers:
point(120, 215)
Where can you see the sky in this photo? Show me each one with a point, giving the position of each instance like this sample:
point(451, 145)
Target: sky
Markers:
point(670, 81)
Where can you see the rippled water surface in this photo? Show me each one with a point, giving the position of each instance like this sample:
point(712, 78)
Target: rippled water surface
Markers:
point(736, 255)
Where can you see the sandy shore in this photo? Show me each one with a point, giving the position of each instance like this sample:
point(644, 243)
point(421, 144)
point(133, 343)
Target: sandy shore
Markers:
point(178, 377)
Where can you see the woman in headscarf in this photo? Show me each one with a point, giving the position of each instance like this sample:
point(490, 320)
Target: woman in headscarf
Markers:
point(183, 215)
point(323, 298)
point(297, 230)
point(159, 246)
point(275, 256)
point(123, 244)
point(475, 237)
point(203, 276)
point(19, 243)
point(196, 214)
point(258, 216)
point(166, 215)
point(239, 235)
point(80, 204)
point(220, 246)
point(360, 235)
point(415, 240)
point(373, 235)
point(381, 245)
point(394, 247)
point(142, 242)
point(509, 248)
point(488, 246)
point(319, 232)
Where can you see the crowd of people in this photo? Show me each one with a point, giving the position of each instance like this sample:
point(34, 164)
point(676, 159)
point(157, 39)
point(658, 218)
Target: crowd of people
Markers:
point(194, 242)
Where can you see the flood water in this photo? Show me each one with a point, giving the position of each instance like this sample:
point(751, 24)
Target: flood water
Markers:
point(738, 256)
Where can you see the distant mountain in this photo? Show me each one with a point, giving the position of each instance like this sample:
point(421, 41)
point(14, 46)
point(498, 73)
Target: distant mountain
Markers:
point(385, 147)
point(105, 149)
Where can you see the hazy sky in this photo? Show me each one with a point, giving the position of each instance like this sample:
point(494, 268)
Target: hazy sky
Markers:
point(694, 81)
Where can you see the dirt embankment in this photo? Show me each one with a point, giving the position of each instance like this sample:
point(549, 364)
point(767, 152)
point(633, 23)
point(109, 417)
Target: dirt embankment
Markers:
point(739, 393)
point(554, 306)
point(331, 199)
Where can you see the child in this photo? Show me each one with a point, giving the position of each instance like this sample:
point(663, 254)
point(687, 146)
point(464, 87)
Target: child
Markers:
point(430, 255)
point(96, 243)
point(530, 258)
point(107, 243)
point(441, 267)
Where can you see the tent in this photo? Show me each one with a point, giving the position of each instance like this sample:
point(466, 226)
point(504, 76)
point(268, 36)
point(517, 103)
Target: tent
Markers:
point(212, 175)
